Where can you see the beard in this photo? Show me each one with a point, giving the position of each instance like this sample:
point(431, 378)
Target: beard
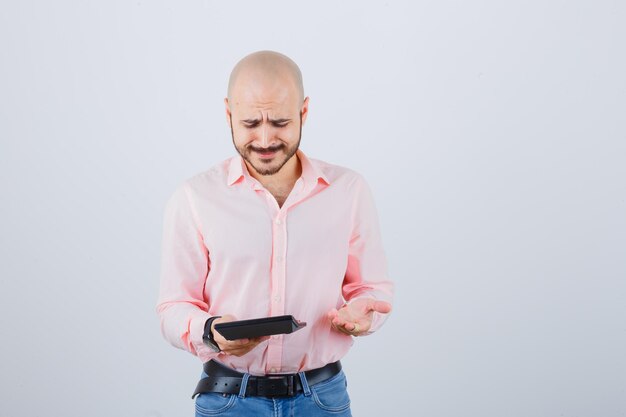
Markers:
point(274, 164)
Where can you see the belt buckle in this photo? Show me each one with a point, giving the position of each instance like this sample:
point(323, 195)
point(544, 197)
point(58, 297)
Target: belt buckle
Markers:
point(285, 389)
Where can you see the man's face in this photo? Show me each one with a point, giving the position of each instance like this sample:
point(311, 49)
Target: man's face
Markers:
point(266, 124)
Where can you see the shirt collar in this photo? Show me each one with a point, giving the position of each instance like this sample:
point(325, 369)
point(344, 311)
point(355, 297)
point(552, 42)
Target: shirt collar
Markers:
point(236, 168)
point(311, 171)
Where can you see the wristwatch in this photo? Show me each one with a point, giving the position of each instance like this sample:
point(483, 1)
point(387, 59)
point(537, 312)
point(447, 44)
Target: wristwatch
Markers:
point(207, 337)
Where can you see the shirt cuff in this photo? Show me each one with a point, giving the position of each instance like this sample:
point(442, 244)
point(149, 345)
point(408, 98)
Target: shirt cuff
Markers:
point(196, 331)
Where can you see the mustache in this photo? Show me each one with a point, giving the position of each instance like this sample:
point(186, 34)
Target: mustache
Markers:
point(265, 150)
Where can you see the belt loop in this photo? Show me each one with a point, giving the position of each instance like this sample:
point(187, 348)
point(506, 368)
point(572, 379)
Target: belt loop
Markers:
point(305, 384)
point(244, 385)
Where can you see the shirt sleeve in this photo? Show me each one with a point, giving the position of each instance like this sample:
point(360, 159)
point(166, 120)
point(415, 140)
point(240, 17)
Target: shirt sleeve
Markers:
point(181, 306)
point(366, 274)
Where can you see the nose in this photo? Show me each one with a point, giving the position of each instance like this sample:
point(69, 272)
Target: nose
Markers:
point(265, 135)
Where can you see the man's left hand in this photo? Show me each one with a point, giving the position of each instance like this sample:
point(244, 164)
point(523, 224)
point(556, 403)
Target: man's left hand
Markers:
point(355, 318)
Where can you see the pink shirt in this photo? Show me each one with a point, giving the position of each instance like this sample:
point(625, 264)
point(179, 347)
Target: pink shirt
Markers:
point(228, 248)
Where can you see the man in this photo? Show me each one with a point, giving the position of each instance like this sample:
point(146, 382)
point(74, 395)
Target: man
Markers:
point(266, 233)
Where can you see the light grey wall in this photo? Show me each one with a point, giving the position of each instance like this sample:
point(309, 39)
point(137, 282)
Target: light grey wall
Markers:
point(492, 134)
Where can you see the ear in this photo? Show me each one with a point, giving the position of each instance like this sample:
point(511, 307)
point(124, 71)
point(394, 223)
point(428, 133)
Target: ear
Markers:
point(228, 114)
point(305, 109)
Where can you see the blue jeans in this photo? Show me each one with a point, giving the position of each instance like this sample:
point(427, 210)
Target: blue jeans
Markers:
point(327, 398)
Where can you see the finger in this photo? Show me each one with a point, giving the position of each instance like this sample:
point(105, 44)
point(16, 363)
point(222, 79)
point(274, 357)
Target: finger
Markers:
point(350, 326)
point(249, 343)
point(343, 330)
point(232, 343)
point(340, 319)
point(338, 327)
point(217, 336)
point(236, 352)
point(332, 314)
point(346, 327)
point(227, 345)
point(360, 327)
point(242, 350)
point(379, 306)
point(224, 319)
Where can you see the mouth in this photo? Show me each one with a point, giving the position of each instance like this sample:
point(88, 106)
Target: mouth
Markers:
point(266, 153)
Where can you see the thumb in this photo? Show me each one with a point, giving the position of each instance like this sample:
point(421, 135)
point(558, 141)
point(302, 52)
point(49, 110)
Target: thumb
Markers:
point(379, 306)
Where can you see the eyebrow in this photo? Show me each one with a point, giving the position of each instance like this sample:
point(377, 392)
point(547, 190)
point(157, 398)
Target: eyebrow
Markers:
point(255, 121)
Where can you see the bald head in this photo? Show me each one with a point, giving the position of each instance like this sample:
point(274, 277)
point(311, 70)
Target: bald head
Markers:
point(267, 70)
point(266, 110)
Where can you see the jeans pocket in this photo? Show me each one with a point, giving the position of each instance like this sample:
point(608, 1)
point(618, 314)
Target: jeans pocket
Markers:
point(332, 394)
point(214, 403)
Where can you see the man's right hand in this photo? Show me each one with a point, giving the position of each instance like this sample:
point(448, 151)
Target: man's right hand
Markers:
point(237, 347)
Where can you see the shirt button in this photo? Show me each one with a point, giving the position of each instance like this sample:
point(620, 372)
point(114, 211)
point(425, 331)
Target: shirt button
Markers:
point(278, 221)
point(279, 259)
point(273, 370)
point(277, 298)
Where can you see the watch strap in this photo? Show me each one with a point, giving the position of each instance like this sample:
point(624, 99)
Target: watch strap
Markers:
point(207, 337)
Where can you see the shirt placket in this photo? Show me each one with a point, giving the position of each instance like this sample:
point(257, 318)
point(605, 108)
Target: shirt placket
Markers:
point(277, 271)
point(277, 276)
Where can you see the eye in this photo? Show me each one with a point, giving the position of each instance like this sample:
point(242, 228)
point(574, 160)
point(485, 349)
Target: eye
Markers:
point(250, 125)
point(283, 124)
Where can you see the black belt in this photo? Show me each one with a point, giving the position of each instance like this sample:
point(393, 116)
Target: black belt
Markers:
point(225, 380)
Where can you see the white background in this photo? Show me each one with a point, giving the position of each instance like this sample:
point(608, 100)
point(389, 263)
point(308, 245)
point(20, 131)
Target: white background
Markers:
point(493, 137)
